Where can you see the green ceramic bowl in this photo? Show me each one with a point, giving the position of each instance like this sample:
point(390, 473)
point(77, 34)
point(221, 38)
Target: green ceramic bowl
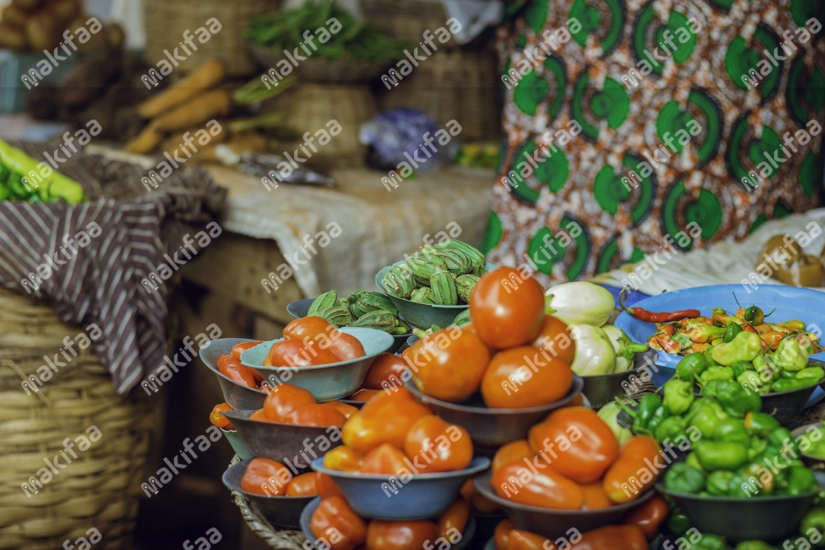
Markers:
point(422, 315)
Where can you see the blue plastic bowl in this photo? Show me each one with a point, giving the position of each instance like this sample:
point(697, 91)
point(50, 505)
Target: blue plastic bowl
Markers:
point(384, 497)
point(306, 518)
point(790, 303)
point(325, 382)
point(300, 309)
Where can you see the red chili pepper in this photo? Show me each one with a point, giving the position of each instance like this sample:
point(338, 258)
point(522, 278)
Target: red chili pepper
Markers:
point(652, 317)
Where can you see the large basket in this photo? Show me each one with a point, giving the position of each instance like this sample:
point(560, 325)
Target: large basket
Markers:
point(99, 487)
point(456, 84)
point(166, 21)
point(405, 20)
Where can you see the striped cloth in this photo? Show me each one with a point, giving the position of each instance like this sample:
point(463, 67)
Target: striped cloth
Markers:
point(100, 283)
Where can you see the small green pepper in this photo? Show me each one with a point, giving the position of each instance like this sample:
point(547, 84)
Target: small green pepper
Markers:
point(732, 330)
point(732, 429)
point(800, 480)
point(760, 424)
point(678, 522)
point(709, 356)
point(716, 373)
point(813, 519)
point(740, 367)
point(705, 333)
point(754, 315)
point(710, 388)
point(706, 418)
point(745, 346)
point(683, 340)
point(757, 447)
point(817, 373)
point(710, 542)
point(692, 459)
point(736, 400)
point(720, 455)
point(678, 395)
point(754, 545)
point(658, 416)
point(717, 482)
point(671, 430)
point(691, 366)
point(790, 355)
point(683, 478)
point(791, 384)
point(756, 475)
point(750, 381)
point(644, 412)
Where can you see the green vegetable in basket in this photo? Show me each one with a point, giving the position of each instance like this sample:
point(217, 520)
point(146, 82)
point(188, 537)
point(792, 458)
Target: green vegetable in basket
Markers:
point(683, 478)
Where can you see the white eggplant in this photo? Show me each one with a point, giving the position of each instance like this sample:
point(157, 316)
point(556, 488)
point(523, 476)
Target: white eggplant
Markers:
point(624, 347)
point(594, 351)
point(580, 302)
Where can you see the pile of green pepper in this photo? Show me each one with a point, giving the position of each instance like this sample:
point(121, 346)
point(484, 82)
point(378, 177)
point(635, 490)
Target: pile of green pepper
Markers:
point(16, 166)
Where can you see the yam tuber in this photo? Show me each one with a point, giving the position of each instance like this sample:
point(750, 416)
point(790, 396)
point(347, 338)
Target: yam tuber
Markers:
point(204, 77)
point(145, 142)
point(213, 104)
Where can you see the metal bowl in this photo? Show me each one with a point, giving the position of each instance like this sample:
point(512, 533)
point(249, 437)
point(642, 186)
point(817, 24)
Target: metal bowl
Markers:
point(293, 446)
point(768, 519)
point(238, 396)
point(300, 309)
point(306, 517)
point(424, 496)
point(814, 463)
point(422, 315)
point(600, 389)
point(279, 511)
point(551, 523)
point(325, 382)
point(237, 444)
point(493, 427)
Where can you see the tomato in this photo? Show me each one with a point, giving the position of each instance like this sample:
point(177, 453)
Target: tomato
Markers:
point(649, 516)
point(455, 517)
point(386, 371)
point(515, 451)
point(555, 338)
point(386, 418)
point(334, 520)
point(443, 447)
point(507, 309)
point(467, 489)
point(585, 446)
point(577, 401)
point(364, 395)
point(547, 488)
point(326, 486)
point(448, 364)
point(266, 477)
point(294, 353)
point(400, 535)
point(302, 486)
point(260, 416)
point(595, 498)
point(232, 368)
point(285, 398)
point(385, 459)
point(343, 459)
point(484, 505)
point(316, 328)
point(626, 537)
point(502, 534)
point(238, 349)
point(315, 414)
point(524, 377)
point(344, 408)
point(219, 420)
point(346, 347)
point(636, 455)
point(525, 540)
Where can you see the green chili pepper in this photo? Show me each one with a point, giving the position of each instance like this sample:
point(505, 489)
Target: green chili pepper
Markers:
point(813, 519)
point(750, 381)
point(757, 447)
point(736, 400)
point(800, 480)
point(720, 455)
point(707, 417)
point(709, 356)
point(678, 395)
point(795, 325)
point(644, 413)
point(692, 459)
point(715, 373)
point(741, 367)
point(816, 373)
point(780, 438)
point(717, 482)
point(790, 355)
point(745, 346)
point(791, 384)
point(732, 429)
point(671, 430)
point(683, 478)
point(691, 366)
point(732, 330)
point(760, 424)
point(658, 417)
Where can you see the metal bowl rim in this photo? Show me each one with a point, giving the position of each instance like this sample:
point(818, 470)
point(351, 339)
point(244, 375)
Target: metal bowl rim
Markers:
point(233, 487)
point(482, 464)
point(774, 498)
point(268, 423)
point(802, 430)
point(219, 373)
point(578, 383)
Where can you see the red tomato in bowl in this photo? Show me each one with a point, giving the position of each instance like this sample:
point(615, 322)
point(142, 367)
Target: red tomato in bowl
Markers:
point(507, 309)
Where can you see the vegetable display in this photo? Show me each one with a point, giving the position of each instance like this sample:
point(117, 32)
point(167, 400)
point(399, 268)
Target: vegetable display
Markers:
point(285, 30)
point(22, 179)
point(362, 308)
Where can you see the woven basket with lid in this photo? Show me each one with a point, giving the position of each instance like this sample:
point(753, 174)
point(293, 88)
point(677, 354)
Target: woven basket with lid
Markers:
point(99, 488)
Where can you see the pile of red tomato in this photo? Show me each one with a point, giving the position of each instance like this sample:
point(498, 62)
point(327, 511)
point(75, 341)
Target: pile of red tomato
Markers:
point(312, 341)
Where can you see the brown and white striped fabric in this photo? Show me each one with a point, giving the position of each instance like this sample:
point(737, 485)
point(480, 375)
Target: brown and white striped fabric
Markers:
point(101, 283)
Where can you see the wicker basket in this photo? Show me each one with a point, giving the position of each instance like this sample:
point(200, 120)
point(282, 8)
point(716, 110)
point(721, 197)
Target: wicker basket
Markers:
point(405, 20)
point(321, 70)
point(97, 489)
point(166, 21)
point(454, 84)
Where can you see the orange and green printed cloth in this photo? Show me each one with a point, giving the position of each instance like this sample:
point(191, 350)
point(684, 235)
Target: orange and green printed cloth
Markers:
point(626, 120)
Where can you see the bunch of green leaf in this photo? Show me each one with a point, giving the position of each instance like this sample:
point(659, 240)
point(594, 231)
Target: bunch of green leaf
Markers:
point(284, 30)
